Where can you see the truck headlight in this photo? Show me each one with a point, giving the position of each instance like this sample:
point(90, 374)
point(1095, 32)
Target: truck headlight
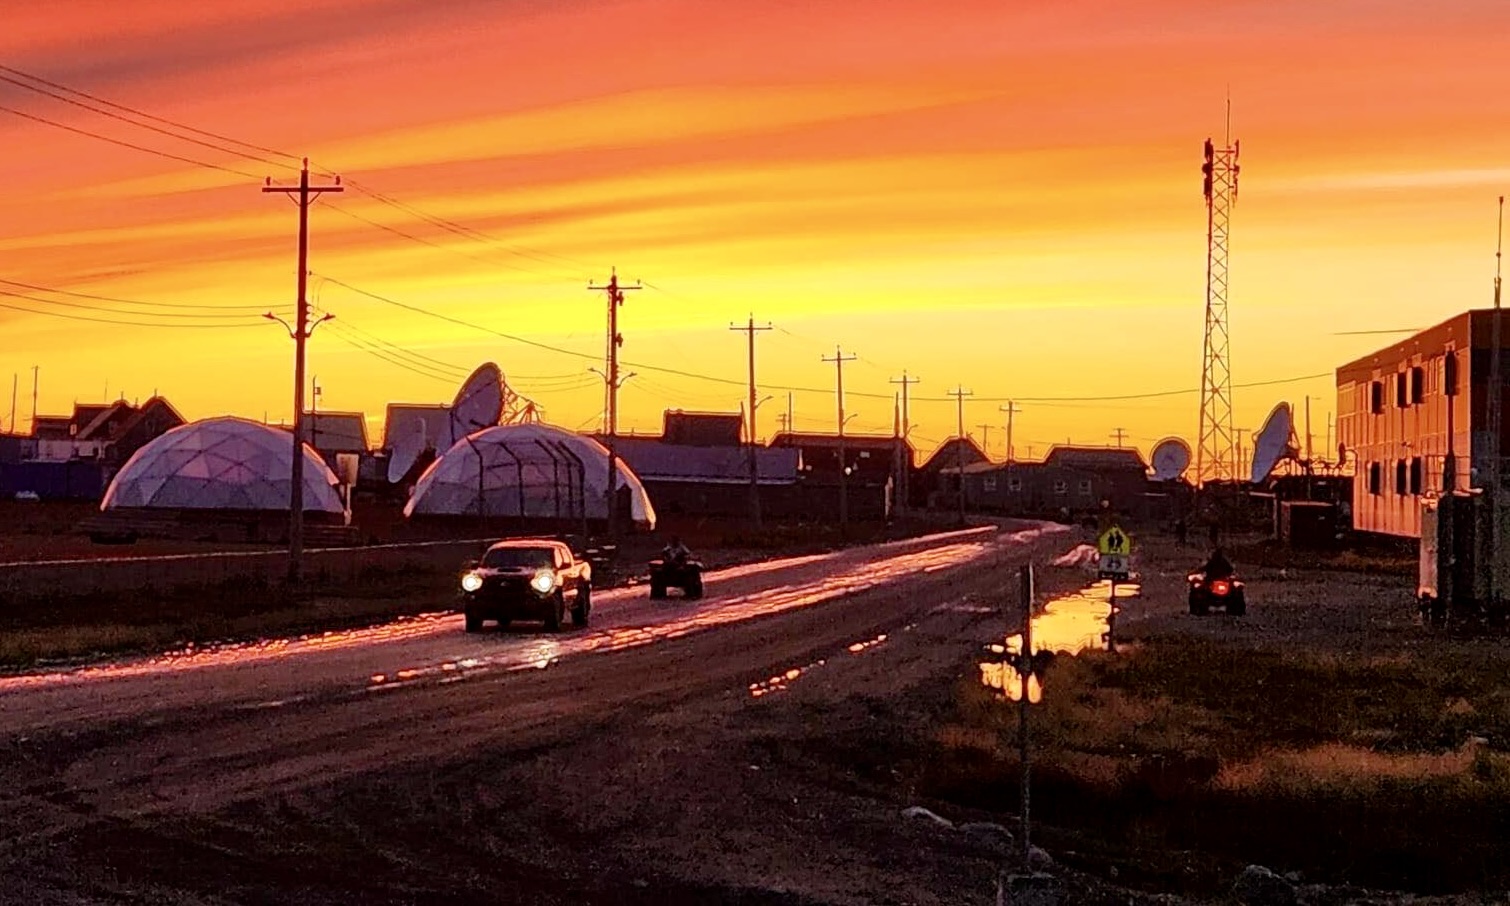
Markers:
point(471, 582)
point(543, 582)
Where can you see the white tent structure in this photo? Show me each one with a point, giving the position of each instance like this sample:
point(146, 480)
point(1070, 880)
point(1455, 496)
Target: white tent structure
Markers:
point(221, 464)
point(528, 471)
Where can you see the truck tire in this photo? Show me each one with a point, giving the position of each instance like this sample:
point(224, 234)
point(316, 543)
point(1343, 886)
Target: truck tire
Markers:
point(657, 590)
point(557, 614)
point(694, 589)
point(1198, 605)
point(582, 607)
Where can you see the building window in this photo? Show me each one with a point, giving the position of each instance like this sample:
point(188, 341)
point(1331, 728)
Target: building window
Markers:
point(1402, 391)
point(864, 454)
point(989, 483)
point(1450, 374)
point(1417, 385)
point(1085, 487)
point(1376, 397)
point(1415, 475)
point(1400, 477)
point(1061, 487)
point(1375, 478)
point(1014, 484)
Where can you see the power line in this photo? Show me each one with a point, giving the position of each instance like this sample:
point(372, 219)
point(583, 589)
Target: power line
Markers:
point(125, 144)
point(798, 389)
point(117, 311)
point(59, 314)
point(148, 126)
point(462, 230)
point(392, 360)
point(78, 295)
point(248, 150)
point(133, 111)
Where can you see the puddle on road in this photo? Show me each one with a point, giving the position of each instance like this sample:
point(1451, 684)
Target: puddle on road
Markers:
point(781, 681)
point(1068, 624)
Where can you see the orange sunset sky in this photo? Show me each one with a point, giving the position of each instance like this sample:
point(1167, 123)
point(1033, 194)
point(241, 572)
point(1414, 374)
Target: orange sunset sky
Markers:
point(1004, 195)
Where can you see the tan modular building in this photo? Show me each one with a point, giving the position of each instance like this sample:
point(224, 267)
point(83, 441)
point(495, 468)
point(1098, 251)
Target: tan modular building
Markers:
point(1401, 410)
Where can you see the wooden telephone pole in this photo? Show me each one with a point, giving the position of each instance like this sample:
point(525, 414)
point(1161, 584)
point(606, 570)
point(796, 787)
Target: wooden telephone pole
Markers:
point(959, 394)
point(613, 381)
point(904, 462)
point(838, 362)
point(301, 330)
point(750, 330)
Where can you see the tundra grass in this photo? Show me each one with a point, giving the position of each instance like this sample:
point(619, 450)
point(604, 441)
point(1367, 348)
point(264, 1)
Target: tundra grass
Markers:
point(1390, 770)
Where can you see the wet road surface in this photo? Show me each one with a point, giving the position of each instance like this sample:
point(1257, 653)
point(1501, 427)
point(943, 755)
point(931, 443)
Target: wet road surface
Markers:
point(195, 731)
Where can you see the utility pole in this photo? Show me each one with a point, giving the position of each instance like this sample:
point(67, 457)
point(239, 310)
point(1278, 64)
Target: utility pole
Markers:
point(1308, 432)
point(1237, 451)
point(314, 413)
point(1025, 674)
point(959, 394)
point(905, 467)
point(1496, 420)
point(15, 384)
point(750, 330)
point(36, 371)
point(838, 362)
point(985, 439)
point(1119, 434)
point(1011, 409)
point(300, 330)
point(612, 381)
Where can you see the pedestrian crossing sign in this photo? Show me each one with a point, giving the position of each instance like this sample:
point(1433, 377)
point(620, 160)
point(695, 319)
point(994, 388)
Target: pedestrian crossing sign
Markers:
point(1114, 542)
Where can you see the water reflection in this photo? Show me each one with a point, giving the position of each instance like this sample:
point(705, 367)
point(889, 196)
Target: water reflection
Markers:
point(1068, 624)
point(780, 681)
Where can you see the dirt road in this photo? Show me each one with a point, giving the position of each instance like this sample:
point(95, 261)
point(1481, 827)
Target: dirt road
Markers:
point(413, 763)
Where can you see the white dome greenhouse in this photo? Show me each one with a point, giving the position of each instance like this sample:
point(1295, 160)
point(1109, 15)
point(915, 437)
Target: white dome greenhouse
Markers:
point(527, 471)
point(221, 464)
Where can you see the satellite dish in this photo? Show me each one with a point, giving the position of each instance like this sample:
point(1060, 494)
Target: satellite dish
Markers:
point(478, 405)
point(1171, 457)
point(1274, 441)
point(404, 450)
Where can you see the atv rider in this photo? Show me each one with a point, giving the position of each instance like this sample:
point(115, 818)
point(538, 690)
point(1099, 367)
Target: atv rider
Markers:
point(675, 552)
point(1218, 566)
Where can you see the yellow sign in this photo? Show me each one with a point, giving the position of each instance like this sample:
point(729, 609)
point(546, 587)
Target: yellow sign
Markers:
point(1114, 542)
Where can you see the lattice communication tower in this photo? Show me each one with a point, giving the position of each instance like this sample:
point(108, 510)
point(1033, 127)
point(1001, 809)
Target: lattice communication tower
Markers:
point(1215, 458)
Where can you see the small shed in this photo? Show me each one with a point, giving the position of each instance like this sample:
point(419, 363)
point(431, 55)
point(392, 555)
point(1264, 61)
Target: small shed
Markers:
point(1309, 524)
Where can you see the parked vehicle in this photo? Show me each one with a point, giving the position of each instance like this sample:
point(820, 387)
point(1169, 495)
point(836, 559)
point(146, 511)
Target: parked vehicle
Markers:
point(527, 579)
point(1225, 592)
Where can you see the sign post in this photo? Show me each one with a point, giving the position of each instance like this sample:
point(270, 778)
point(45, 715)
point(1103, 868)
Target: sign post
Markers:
point(1114, 547)
point(1025, 672)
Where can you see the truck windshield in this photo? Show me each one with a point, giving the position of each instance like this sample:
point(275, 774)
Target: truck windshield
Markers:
point(519, 558)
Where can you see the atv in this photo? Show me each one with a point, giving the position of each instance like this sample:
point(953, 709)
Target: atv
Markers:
point(686, 575)
point(1226, 593)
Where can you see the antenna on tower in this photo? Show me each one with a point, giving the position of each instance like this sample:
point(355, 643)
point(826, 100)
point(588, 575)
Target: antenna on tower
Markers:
point(1214, 448)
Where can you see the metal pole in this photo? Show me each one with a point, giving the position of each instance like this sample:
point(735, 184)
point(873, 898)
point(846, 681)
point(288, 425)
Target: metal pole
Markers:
point(1025, 671)
point(1111, 619)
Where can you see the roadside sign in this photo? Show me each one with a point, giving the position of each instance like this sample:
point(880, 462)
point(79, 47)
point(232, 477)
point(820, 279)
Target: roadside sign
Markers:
point(1114, 542)
point(1113, 566)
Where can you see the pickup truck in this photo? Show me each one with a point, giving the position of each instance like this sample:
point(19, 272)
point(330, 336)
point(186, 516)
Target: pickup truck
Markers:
point(527, 579)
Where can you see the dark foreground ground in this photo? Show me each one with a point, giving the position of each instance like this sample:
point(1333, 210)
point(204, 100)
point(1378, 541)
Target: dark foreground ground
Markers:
point(769, 761)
